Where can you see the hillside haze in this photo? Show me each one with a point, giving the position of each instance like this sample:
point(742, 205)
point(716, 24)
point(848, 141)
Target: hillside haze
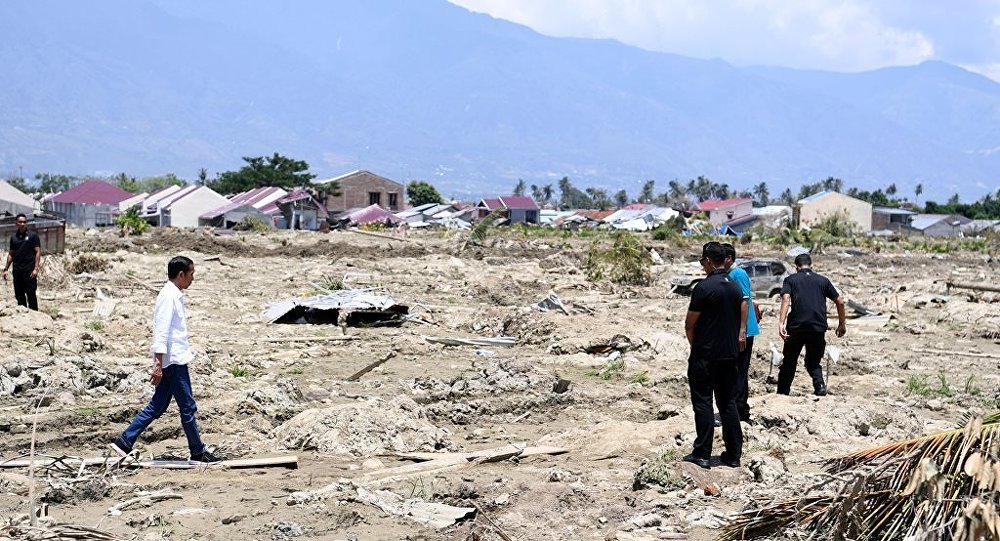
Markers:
point(429, 90)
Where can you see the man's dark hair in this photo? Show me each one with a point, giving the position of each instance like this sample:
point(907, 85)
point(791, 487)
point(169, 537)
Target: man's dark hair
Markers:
point(803, 260)
point(19, 216)
point(730, 251)
point(177, 265)
point(714, 252)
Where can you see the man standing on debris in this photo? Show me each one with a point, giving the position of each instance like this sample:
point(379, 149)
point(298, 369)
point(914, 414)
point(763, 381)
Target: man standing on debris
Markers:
point(171, 355)
point(806, 325)
point(716, 336)
point(26, 256)
point(749, 323)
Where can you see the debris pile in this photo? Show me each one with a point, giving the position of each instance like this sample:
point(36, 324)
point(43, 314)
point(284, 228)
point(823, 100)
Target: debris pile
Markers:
point(363, 428)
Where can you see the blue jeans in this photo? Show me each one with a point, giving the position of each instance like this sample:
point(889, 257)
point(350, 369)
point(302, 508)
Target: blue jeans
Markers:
point(175, 383)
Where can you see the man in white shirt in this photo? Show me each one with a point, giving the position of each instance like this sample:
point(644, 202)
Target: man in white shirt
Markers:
point(171, 355)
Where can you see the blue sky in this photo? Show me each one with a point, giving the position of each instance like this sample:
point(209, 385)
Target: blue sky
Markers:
point(839, 35)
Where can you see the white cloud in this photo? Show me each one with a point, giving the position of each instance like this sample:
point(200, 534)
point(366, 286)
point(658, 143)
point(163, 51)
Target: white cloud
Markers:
point(848, 35)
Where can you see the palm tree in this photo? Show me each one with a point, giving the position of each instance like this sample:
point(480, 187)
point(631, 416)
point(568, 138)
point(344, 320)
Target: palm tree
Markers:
point(520, 187)
point(917, 190)
point(536, 193)
point(760, 192)
point(646, 195)
point(547, 193)
point(891, 190)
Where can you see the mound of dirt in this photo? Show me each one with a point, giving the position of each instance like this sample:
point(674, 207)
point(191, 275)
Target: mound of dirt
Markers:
point(20, 321)
point(366, 428)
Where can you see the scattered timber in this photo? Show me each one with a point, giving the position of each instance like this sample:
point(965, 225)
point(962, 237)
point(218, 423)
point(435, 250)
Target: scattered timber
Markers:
point(357, 375)
point(974, 287)
point(957, 353)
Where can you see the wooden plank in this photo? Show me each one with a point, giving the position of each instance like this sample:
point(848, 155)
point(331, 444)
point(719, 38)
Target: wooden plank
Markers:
point(957, 353)
point(287, 461)
point(357, 375)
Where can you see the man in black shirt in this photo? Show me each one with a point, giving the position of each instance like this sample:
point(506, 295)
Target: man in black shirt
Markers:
point(713, 327)
point(26, 255)
point(807, 293)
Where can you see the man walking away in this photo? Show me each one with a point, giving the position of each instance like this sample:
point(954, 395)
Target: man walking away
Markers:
point(806, 325)
point(714, 332)
point(171, 355)
point(26, 256)
point(753, 329)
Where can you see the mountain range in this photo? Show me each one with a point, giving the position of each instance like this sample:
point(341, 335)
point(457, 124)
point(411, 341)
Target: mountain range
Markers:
point(429, 90)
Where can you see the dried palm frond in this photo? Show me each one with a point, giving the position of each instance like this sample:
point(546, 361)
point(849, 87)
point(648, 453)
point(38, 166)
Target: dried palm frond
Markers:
point(941, 486)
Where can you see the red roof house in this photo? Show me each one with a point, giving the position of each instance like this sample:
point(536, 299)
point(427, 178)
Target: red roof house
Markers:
point(519, 208)
point(721, 211)
point(91, 204)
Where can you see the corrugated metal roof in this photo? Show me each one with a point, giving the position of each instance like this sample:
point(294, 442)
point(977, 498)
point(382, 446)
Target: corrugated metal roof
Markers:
point(369, 214)
point(93, 192)
point(923, 221)
point(258, 198)
point(894, 211)
point(716, 204)
point(518, 202)
point(815, 196)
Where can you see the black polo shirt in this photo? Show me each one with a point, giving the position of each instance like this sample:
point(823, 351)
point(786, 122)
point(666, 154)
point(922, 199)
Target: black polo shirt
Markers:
point(716, 333)
point(22, 248)
point(809, 293)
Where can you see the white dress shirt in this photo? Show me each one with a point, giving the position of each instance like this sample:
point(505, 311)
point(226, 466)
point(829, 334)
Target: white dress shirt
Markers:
point(170, 334)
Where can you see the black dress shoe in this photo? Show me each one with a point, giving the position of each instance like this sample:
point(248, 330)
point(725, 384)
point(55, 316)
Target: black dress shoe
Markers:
point(820, 391)
point(700, 462)
point(726, 461)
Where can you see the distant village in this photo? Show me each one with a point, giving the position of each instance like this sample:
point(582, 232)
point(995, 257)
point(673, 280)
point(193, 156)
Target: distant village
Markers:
point(362, 198)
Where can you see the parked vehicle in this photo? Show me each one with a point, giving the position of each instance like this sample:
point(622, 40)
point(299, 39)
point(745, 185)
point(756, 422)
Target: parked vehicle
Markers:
point(766, 276)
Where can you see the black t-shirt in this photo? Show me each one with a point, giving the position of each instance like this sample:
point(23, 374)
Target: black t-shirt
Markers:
point(22, 247)
point(809, 293)
point(716, 333)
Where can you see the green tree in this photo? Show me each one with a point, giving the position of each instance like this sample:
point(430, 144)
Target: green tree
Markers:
point(599, 198)
point(917, 191)
point(647, 193)
point(520, 187)
point(202, 176)
point(621, 198)
point(786, 197)
point(831, 184)
point(276, 170)
point(421, 193)
point(151, 184)
point(761, 194)
point(954, 201)
point(891, 190)
point(49, 183)
point(126, 182)
point(536, 193)
point(547, 193)
point(572, 197)
point(19, 182)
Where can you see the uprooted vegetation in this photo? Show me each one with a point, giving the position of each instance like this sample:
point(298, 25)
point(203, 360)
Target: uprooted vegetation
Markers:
point(625, 262)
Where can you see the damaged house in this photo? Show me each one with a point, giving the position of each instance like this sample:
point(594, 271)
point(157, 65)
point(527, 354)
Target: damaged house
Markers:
point(518, 209)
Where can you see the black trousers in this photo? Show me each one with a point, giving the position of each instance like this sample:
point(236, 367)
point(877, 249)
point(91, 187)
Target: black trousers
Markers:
point(707, 377)
point(743, 383)
point(815, 344)
point(24, 289)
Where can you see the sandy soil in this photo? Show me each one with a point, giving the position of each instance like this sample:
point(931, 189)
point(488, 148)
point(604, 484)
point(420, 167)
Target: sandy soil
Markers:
point(260, 395)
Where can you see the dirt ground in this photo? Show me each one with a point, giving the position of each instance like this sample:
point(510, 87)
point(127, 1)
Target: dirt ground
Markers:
point(268, 390)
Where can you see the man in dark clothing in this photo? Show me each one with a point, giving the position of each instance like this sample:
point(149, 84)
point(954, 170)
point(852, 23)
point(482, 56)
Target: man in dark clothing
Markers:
point(714, 330)
point(806, 325)
point(26, 255)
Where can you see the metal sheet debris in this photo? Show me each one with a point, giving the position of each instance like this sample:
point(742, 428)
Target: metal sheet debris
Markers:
point(353, 307)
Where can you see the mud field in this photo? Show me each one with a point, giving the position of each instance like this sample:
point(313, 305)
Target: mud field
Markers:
point(604, 382)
